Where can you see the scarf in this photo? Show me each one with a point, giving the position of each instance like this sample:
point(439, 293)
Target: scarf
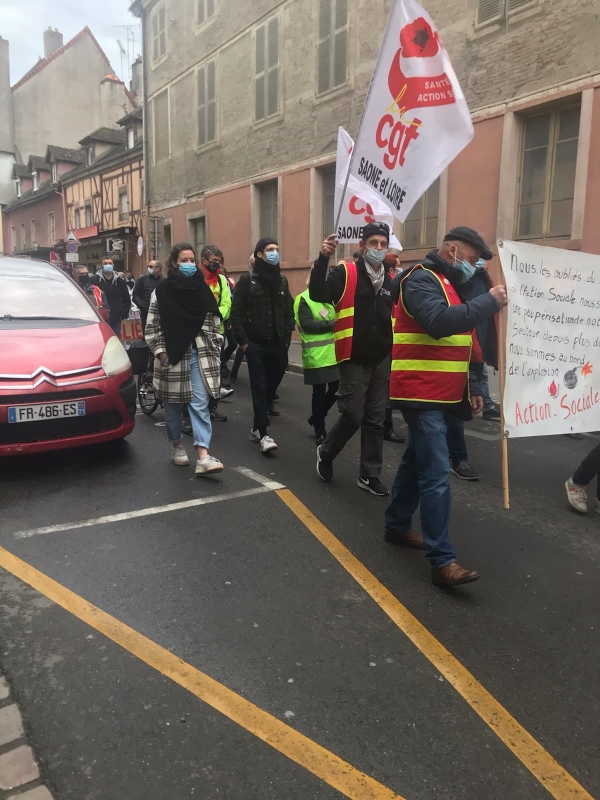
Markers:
point(269, 273)
point(183, 304)
point(376, 277)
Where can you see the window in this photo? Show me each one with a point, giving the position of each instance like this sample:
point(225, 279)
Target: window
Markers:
point(130, 138)
point(54, 173)
point(23, 236)
point(494, 10)
point(548, 174)
point(267, 193)
point(90, 156)
point(32, 229)
point(333, 44)
point(13, 238)
point(199, 226)
point(207, 104)
point(421, 226)
point(18, 185)
point(159, 33)
point(88, 215)
point(167, 240)
point(51, 228)
point(267, 69)
point(328, 201)
point(206, 9)
point(161, 126)
point(77, 219)
point(36, 181)
point(123, 203)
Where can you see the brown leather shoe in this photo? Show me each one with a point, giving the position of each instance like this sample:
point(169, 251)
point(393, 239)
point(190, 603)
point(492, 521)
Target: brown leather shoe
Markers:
point(410, 539)
point(453, 575)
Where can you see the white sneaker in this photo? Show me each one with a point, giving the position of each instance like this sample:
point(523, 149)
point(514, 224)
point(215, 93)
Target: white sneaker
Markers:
point(576, 496)
point(225, 393)
point(254, 436)
point(267, 444)
point(179, 456)
point(209, 465)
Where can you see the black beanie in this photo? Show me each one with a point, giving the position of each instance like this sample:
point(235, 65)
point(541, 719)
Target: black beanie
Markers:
point(376, 229)
point(262, 243)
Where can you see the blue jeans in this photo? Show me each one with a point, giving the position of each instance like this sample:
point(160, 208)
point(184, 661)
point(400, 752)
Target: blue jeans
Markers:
point(198, 410)
point(455, 439)
point(488, 403)
point(423, 478)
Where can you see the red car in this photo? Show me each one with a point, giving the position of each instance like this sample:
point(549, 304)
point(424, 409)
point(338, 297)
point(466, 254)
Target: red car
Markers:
point(65, 378)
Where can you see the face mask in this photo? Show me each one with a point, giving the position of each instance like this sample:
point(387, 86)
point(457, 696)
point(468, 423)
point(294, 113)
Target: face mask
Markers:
point(480, 263)
point(467, 270)
point(83, 280)
point(187, 269)
point(150, 271)
point(213, 266)
point(108, 268)
point(375, 257)
point(272, 257)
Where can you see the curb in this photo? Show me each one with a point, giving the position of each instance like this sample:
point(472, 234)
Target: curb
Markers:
point(298, 369)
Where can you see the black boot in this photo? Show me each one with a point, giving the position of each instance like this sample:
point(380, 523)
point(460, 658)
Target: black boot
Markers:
point(390, 435)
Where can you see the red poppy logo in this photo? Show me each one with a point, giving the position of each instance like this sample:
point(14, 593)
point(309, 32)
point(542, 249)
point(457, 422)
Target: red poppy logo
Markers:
point(418, 40)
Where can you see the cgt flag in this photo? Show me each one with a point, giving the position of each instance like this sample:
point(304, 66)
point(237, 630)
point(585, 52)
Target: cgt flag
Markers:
point(361, 203)
point(416, 119)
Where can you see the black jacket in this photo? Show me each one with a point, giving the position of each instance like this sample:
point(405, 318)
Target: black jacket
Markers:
point(117, 296)
point(255, 318)
point(142, 292)
point(424, 299)
point(372, 337)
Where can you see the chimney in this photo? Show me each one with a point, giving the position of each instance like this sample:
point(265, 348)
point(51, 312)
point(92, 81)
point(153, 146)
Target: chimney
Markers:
point(136, 85)
point(53, 40)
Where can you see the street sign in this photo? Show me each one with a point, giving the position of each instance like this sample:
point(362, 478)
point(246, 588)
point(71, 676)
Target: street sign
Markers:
point(72, 258)
point(72, 247)
point(140, 245)
point(71, 237)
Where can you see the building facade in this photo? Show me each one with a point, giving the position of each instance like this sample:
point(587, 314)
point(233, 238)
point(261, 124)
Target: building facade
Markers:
point(244, 102)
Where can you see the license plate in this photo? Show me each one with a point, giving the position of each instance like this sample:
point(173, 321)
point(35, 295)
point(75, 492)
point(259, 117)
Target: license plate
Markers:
point(46, 411)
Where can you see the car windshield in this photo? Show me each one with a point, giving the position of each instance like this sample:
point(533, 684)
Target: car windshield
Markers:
point(36, 292)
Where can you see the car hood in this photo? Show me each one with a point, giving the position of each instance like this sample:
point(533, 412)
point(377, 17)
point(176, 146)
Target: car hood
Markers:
point(58, 349)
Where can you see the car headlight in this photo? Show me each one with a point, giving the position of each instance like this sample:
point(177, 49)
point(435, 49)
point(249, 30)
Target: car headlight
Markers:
point(115, 359)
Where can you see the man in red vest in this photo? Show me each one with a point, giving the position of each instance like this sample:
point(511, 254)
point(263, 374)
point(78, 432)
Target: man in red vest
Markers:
point(361, 294)
point(430, 367)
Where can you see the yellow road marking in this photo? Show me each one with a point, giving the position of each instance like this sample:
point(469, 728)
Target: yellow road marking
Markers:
point(560, 784)
point(342, 776)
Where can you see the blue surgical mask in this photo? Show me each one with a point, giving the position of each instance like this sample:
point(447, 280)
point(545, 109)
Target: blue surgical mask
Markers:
point(108, 268)
point(375, 257)
point(187, 269)
point(468, 270)
point(150, 271)
point(480, 263)
point(272, 257)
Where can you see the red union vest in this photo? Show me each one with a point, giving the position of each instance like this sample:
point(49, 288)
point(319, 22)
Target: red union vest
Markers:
point(424, 369)
point(97, 295)
point(344, 315)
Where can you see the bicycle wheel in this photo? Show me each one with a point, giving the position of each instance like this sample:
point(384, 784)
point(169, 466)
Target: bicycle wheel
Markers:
point(146, 397)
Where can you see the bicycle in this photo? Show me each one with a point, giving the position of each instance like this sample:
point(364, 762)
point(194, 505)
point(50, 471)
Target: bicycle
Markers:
point(148, 400)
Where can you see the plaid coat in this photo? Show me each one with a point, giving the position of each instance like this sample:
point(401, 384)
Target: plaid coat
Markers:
point(172, 383)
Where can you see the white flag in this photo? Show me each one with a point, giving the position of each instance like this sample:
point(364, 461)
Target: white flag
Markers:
point(362, 204)
point(416, 119)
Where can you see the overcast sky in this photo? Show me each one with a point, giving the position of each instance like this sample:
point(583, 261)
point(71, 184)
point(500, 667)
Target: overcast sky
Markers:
point(23, 22)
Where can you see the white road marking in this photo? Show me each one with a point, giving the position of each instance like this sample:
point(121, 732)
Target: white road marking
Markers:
point(146, 512)
point(262, 479)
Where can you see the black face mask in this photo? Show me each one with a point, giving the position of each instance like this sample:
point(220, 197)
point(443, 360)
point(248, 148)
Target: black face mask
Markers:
point(83, 280)
point(213, 266)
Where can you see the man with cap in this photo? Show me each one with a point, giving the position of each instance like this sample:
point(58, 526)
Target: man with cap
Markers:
point(361, 295)
point(433, 324)
point(262, 316)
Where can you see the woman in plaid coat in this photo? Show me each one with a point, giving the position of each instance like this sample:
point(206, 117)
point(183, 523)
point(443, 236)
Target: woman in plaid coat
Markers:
point(182, 331)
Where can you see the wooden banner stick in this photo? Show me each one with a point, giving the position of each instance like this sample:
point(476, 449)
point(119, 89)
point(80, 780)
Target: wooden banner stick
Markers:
point(502, 368)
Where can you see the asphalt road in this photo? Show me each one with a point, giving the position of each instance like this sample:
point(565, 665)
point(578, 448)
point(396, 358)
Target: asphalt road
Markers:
point(242, 590)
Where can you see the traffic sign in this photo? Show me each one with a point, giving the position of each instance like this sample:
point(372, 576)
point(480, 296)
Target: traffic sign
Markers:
point(140, 245)
point(72, 258)
point(71, 236)
point(72, 247)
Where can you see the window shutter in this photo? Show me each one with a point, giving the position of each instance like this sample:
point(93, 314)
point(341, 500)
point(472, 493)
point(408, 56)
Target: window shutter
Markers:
point(341, 13)
point(163, 31)
point(211, 111)
point(260, 79)
point(155, 37)
point(202, 106)
point(324, 47)
point(489, 11)
point(340, 58)
point(273, 61)
point(517, 5)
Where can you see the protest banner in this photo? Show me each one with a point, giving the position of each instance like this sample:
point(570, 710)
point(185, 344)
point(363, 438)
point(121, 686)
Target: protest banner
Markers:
point(358, 203)
point(552, 381)
point(416, 119)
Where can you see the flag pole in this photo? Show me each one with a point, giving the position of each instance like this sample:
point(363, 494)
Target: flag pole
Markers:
point(502, 368)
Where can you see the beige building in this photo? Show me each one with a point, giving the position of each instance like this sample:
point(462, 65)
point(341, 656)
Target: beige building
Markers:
point(244, 102)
